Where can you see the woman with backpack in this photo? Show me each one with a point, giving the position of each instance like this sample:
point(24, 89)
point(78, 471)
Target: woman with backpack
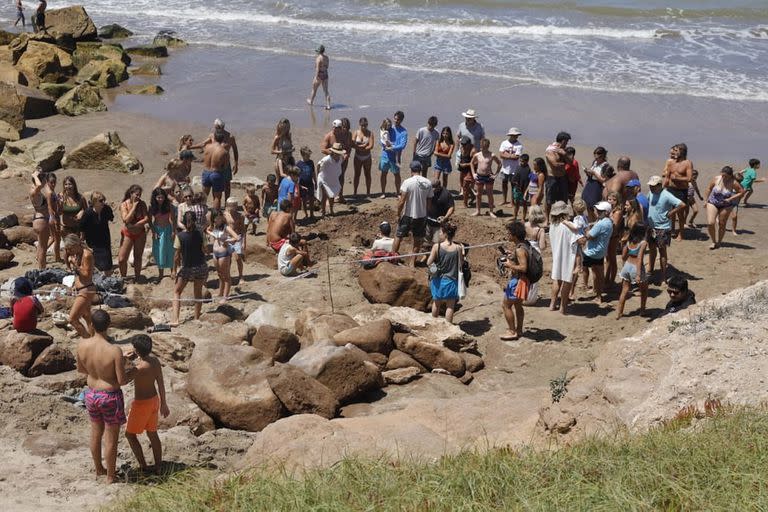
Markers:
point(445, 262)
point(516, 291)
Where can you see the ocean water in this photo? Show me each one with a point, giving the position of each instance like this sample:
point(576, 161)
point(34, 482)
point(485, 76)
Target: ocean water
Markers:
point(700, 48)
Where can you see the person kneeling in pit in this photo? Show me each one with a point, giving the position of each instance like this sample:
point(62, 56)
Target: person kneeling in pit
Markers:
point(293, 257)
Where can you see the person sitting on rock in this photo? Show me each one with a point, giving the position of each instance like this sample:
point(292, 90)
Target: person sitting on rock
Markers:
point(280, 226)
point(384, 241)
point(293, 256)
point(25, 307)
point(680, 297)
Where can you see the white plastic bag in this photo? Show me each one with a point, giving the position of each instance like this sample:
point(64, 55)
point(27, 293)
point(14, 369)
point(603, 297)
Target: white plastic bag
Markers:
point(462, 286)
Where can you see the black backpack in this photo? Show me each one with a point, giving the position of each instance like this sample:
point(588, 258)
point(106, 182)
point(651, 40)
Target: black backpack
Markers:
point(535, 263)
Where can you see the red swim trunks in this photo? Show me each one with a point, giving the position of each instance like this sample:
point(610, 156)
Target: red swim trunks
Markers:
point(105, 406)
point(276, 246)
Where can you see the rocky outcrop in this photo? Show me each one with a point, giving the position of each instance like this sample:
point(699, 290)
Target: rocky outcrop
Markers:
point(270, 314)
point(114, 31)
point(104, 152)
point(147, 90)
point(53, 360)
point(156, 52)
point(300, 393)
point(81, 100)
point(6, 258)
point(375, 336)
point(55, 90)
point(173, 350)
point(229, 383)
point(396, 285)
point(18, 103)
point(398, 359)
point(401, 375)
point(313, 325)
point(44, 62)
point(105, 73)
point(29, 155)
point(344, 370)
point(73, 21)
point(148, 69)
point(128, 318)
point(430, 355)
point(11, 75)
point(277, 344)
point(20, 235)
point(19, 350)
point(88, 51)
point(168, 38)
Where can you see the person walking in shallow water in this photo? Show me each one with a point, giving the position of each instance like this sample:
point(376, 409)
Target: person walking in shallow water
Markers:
point(20, 15)
point(321, 77)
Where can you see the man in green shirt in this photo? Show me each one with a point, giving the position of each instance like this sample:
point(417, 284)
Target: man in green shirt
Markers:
point(748, 178)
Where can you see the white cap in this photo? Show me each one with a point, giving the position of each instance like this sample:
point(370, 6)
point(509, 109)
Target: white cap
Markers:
point(655, 180)
point(218, 123)
point(337, 123)
point(604, 206)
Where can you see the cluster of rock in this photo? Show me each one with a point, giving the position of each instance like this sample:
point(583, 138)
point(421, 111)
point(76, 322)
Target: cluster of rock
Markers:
point(64, 69)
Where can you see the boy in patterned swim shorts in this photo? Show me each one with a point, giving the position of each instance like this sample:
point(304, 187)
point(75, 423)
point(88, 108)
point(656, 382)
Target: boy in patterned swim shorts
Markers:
point(147, 402)
point(105, 366)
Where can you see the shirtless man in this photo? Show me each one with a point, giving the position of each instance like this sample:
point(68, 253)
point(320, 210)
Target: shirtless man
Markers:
point(618, 182)
point(280, 226)
point(229, 143)
point(482, 172)
point(215, 164)
point(105, 366)
point(321, 77)
point(557, 181)
point(677, 174)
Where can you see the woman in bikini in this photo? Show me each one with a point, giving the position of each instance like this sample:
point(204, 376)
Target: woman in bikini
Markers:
point(80, 261)
point(223, 236)
point(444, 148)
point(723, 194)
point(44, 203)
point(133, 235)
point(362, 140)
point(281, 139)
point(72, 205)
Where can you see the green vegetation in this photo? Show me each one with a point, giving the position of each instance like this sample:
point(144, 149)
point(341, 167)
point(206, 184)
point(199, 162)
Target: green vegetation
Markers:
point(719, 463)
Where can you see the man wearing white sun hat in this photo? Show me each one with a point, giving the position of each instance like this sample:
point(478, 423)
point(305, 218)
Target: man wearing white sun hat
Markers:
point(510, 151)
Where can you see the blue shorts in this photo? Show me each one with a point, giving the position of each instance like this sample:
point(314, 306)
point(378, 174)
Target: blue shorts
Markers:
point(443, 165)
point(444, 288)
point(629, 273)
point(214, 180)
point(387, 165)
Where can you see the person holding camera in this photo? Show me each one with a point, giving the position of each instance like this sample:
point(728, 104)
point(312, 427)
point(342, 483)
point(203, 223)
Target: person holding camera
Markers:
point(516, 291)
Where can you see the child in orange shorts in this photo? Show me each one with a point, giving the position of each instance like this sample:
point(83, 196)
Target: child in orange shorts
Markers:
point(148, 401)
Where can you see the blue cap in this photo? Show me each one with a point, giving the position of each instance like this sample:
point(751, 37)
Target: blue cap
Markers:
point(22, 287)
point(416, 166)
point(633, 183)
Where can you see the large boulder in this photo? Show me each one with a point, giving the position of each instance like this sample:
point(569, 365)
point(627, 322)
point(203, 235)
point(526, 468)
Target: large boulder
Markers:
point(270, 314)
point(230, 384)
point(396, 285)
point(432, 356)
point(168, 38)
point(300, 393)
point(6, 258)
point(29, 155)
point(173, 350)
point(145, 90)
point(148, 68)
point(105, 73)
point(398, 360)
point(55, 91)
point(20, 235)
point(18, 102)
point(71, 20)
point(277, 344)
point(114, 31)
point(155, 52)
point(87, 51)
point(6, 37)
point(54, 359)
point(83, 99)
point(128, 318)
point(344, 370)
point(313, 325)
point(11, 75)
point(44, 62)
point(103, 152)
point(19, 350)
point(12, 116)
point(372, 337)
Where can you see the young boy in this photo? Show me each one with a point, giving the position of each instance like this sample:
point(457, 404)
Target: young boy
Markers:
point(307, 182)
point(148, 401)
point(252, 207)
point(746, 178)
point(236, 221)
point(520, 180)
point(269, 196)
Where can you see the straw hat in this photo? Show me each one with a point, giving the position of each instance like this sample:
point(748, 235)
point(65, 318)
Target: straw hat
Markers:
point(337, 148)
point(559, 208)
point(514, 131)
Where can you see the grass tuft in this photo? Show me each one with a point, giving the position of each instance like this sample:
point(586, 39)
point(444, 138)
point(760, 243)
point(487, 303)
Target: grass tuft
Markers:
point(719, 463)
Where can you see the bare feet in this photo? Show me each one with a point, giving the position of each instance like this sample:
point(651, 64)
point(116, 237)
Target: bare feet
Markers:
point(101, 471)
point(505, 203)
point(509, 336)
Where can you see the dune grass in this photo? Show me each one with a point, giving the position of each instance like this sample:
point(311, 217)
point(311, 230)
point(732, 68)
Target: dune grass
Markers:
point(718, 464)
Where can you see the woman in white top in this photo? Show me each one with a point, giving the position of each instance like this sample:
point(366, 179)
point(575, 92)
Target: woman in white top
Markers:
point(328, 176)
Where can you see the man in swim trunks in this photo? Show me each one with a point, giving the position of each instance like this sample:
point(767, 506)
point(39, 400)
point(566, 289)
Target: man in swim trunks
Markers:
point(557, 181)
point(677, 174)
point(229, 143)
point(662, 208)
point(618, 182)
point(215, 163)
point(280, 226)
point(321, 77)
point(105, 366)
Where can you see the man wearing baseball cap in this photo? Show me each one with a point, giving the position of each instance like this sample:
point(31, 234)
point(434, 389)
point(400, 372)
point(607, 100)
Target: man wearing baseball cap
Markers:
point(415, 194)
point(595, 244)
point(662, 207)
point(632, 191)
point(509, 152)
